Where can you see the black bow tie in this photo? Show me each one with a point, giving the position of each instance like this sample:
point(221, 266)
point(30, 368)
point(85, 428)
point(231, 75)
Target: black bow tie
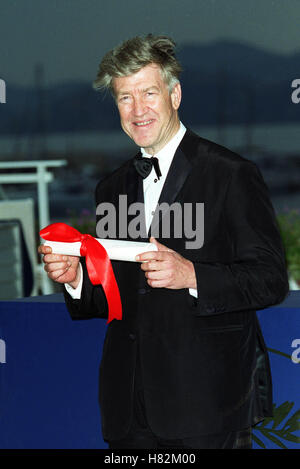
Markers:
point(144, 166)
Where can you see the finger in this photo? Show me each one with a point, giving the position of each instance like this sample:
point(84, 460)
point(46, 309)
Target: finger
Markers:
point(154, 265)
point(48, 258)
point(146, 256)
point(164, 283)
point(160, 246)
point(153, 255)
point(57, 273)
point(53, 266)
point(42, 249)
point(158, 275)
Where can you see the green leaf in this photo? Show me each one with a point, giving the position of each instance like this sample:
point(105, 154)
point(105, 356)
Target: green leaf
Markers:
point(281, 412)
point(293, 423)
point(271, 437)
point(265, 422)
point(273, 433)
point(258, 441)
point(292, 438)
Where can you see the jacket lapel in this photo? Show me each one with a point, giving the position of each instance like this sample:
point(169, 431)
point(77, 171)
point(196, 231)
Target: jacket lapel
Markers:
point(178, 172)
point(135, 194)
point(131, 187)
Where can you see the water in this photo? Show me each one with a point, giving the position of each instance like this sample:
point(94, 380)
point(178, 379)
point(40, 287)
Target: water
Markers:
point(273, 144)
point(277, 138)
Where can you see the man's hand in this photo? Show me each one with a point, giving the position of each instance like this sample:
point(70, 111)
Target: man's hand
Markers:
point(166, 268)
point(61, 269)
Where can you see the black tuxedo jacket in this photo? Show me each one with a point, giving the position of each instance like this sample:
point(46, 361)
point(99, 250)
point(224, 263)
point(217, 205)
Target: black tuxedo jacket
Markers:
point(204, 363)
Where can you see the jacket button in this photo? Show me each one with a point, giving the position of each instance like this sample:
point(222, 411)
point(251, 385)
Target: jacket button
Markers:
point(132, 337)
point(210, 309)
point(142, 291)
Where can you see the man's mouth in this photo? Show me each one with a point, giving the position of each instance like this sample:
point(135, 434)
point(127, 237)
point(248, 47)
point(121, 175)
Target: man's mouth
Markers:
point(144, 123)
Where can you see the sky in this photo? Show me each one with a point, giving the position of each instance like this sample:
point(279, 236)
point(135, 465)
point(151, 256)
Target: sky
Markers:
point(70, 36)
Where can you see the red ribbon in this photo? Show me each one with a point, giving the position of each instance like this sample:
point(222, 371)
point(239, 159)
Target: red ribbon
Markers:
point(97, 262)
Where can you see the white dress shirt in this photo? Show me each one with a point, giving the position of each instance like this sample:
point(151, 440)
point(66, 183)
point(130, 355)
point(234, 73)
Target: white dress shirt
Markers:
point(152, 188)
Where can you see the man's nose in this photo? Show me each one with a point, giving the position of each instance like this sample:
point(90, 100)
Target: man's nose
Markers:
point(139, 107)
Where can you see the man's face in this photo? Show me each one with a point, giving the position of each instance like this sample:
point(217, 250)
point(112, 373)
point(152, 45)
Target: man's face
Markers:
point(148, 112)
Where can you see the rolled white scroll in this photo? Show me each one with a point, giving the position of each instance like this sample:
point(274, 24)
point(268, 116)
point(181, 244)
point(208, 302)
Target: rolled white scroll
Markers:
point(116, 249)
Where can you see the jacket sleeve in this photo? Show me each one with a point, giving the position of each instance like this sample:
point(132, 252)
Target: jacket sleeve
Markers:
point(257, 276)
point(92, 303)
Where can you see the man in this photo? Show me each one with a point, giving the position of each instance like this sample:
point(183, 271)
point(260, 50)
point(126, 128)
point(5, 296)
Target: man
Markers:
point(186, 367)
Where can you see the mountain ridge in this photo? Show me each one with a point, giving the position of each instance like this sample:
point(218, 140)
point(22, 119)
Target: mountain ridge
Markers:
point(230, 82)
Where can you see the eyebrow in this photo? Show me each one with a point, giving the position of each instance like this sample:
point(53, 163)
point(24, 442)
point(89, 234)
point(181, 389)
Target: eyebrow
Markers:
point(153, 87)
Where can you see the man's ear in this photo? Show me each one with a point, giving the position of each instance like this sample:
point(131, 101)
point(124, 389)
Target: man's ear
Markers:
point(176, 96)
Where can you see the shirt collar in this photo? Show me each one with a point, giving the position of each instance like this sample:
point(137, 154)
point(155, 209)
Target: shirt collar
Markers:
point(167, 152)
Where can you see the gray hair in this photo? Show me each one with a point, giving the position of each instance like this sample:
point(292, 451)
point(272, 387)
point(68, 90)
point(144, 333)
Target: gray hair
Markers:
point(134, 54)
